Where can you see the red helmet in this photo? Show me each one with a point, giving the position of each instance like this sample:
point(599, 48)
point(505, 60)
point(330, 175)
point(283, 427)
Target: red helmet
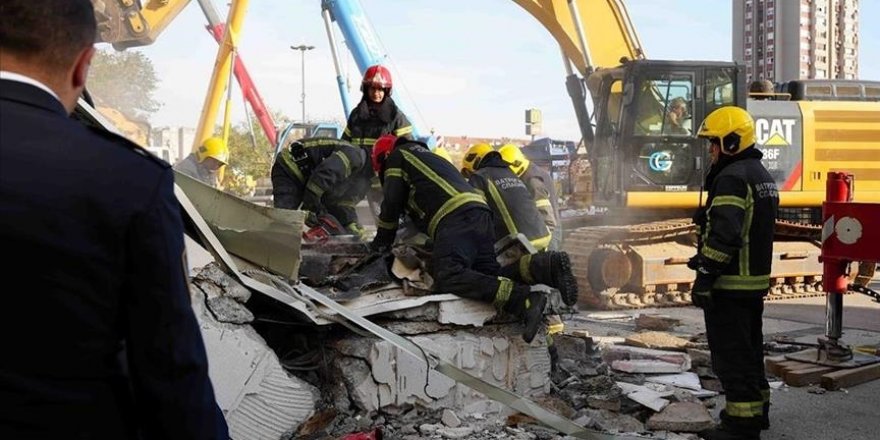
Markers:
point(377, 76)
point(381, 149)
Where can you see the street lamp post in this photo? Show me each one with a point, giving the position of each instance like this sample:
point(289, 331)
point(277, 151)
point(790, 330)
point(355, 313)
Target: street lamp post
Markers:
point(303, 48)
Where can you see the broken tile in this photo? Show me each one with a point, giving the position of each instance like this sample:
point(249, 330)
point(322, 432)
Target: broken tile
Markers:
point(656, 340)
point(644, 396)
point(682, 380)
point(681, 417)
point(644, 360)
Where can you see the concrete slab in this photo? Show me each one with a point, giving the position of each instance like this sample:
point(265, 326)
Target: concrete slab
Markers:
point(493, 353)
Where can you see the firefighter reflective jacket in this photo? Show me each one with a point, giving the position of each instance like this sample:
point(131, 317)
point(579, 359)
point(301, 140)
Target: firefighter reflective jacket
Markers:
point(513, 207)
point(543, 190)
point(425, 186)
point(313, 167)
point(737, 233)
point(369, 121)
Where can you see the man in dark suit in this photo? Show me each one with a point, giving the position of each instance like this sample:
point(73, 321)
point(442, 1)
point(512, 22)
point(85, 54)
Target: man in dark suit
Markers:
point(98, 334)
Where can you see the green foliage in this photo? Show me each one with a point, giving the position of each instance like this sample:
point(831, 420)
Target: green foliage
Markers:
point(125, 81)
point(244, 159)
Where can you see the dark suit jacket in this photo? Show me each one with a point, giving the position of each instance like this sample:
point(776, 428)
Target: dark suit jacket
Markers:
point(95, 280)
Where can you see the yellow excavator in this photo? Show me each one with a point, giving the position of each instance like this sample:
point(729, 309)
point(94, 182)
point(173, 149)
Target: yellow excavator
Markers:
point(647, 171)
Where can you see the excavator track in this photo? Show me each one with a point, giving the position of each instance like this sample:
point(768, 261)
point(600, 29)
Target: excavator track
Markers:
point(604, 260)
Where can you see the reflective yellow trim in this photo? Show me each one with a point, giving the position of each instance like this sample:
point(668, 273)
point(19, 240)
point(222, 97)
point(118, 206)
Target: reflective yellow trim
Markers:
point(502, 209)
point(451, 205)
point(429, 173)
point(543, 203)
point(395, 172)
point(502, 295)
point(742, 282)
point(744, 409)
point(314, 188)
point(541, 244)
point(385, 225)
point(345, 162)
point(747, 226)
point(524, 272)
point(729, 200)
point(403, 130)
point(553, 329)
point(346, 132)
point(714, 254)
point(320, 142)
point(291, 165)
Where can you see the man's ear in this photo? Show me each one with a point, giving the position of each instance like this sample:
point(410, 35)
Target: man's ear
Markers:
point(81, 67)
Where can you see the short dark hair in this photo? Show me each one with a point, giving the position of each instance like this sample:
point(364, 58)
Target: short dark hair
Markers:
point(50, 32)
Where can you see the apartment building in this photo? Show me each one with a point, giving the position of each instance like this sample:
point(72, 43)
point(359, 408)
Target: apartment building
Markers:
point(783, 40)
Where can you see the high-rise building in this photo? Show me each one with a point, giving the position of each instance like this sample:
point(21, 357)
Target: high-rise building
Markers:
point(782, 40)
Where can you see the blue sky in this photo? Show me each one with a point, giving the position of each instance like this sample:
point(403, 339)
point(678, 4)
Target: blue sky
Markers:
point(469, 67)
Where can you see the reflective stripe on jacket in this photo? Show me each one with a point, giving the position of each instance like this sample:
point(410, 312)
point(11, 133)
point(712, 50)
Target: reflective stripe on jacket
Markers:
point(737, 239)
point(423, 185)
point(514, 208)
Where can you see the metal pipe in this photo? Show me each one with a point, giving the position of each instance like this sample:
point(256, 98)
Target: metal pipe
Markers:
point(834, 316)
point(303, 48)
point(340, 80)
point(582, 39)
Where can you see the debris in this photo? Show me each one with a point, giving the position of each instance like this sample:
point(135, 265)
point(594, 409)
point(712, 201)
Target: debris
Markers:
point(776, 384)
point(682, 417)
point(649, 398)
point(609, 316)
point(375, 434)
point(711, 384)
point(609, 421)
point(682, 380)
point(656, 322)
point(643, 360)
point(450, 419)
point(815, 389)
point(700, 358)
point(604, 401)
point(656, 340)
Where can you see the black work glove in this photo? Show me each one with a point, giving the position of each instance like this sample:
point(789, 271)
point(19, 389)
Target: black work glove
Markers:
point(383, 241)
point(701, 292)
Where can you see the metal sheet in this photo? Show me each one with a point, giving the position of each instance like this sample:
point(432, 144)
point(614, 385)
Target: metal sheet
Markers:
point(267, 237)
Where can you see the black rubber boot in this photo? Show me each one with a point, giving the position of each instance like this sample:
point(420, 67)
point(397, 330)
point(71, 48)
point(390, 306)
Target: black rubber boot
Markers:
point(528, 305)
point(765, 417)
point(554, 269)
point(734, 428)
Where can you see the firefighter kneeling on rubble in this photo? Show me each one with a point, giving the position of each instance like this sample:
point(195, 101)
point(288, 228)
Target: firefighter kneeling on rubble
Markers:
point(515, 212)
point(323, 176)
point(443, 205)
point(733, 269)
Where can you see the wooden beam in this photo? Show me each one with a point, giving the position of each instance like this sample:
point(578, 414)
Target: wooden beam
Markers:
point(850, 376)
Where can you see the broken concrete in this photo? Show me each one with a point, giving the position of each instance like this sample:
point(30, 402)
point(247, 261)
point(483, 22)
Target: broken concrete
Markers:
point(257, 396)
point(661, 323)
point(379, 376)
point(657, 340)
point(682, 417)
point(643, 360)
point(645, 396)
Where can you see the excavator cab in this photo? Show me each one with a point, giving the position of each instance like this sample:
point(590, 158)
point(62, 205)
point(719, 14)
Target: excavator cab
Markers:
point(646, 115)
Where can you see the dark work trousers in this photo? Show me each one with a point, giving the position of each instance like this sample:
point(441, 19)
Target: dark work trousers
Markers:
point(734, 330)
point(463, 258)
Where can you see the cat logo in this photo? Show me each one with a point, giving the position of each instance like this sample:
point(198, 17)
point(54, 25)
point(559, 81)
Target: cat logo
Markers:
point(774, 132)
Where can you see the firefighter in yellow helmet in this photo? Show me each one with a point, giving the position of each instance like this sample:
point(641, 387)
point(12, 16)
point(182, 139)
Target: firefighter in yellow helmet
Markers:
point(204, 164)
point(444, 153)
point(514, 211)
point(540, 186)
point(735, 250)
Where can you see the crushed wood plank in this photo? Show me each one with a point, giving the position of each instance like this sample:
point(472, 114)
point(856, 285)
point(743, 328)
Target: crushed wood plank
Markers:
point(851, 376)
point(805, 376)
point(771, 364)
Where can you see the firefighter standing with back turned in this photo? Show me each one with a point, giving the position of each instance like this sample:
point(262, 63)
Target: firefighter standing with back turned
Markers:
point(541, 186)
point(733, 269)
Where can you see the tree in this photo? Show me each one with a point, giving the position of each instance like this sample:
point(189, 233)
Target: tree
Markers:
point(124, 81)
point(245, 160)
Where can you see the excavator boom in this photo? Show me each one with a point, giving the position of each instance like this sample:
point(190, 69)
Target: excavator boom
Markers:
point(602, 26)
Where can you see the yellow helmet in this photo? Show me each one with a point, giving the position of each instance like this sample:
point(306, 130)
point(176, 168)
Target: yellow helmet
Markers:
point(213, 147)
point(444, 153)
point(515, 157)
point(732, 127)
point(473, 156)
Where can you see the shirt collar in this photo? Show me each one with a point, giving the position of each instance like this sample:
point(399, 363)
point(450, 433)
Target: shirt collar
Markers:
point(12, 76)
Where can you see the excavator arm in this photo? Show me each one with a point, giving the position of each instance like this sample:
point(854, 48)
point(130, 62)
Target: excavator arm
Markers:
point(602, 27)
point(132, 23)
